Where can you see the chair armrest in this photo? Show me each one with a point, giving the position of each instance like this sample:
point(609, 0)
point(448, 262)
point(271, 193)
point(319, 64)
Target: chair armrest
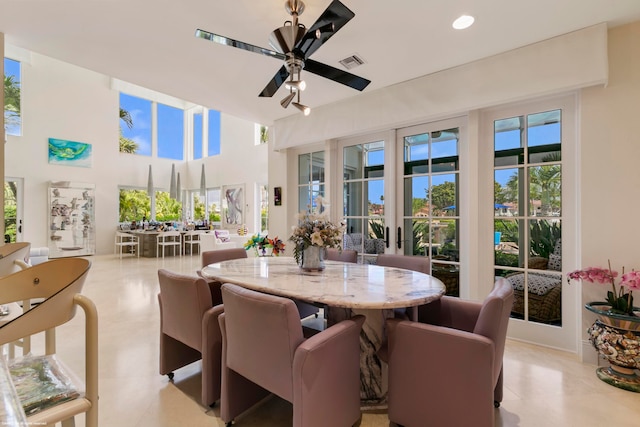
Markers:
point(328, 349)
point(326, 373)
point(424, 338)
point(210, 322)
point(334, 339)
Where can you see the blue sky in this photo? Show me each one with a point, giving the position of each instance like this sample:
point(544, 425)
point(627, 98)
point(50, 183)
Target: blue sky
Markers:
point(170, 129)
point(537, 135)
point(12, 68)
point(140, 111)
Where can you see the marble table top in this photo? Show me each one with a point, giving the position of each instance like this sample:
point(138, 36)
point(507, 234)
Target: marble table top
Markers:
point(340, 284)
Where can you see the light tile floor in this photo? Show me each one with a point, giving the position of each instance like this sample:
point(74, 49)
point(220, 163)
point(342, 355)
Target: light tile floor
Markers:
point(543, 387)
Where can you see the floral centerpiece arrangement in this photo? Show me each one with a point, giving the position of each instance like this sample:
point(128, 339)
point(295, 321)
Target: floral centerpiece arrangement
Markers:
point(621, 302)
point(264, 246)
point(315, 230)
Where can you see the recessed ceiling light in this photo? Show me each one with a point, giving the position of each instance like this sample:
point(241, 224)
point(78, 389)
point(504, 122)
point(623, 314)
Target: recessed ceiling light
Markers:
point(465, 21)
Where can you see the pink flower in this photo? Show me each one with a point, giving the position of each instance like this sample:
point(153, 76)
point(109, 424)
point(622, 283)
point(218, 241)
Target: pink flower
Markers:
point(594, 274)
point(620, 302)
point(631, 280)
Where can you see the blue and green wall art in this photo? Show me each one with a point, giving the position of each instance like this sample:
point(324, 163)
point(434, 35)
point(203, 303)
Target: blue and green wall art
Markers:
point(69, 153)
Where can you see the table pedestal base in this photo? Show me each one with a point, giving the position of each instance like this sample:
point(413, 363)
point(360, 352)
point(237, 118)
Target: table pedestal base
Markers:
point(373, 371)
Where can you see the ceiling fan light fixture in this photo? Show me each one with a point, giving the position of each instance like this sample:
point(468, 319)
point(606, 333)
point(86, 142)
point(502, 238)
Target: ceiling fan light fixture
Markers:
point(463, 22)
point(305, 110)
point(287, 100)
point(325, 29)
point(298, 85)
point(285, 38)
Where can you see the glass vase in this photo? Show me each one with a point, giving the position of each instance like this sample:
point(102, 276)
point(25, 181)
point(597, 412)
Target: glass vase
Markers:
point(313, 258)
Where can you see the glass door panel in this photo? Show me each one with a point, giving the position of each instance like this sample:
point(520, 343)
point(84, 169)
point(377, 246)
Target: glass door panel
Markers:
point(527, 213)
point(363, 199)
point(12, 210)
point(428, 200)
point(311, 177)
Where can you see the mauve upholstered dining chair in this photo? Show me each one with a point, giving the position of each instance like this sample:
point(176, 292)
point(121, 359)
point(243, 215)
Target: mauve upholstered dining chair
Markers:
point(264, 350)
point(421, 264)
point(447, 368)
point(344, 255)
point(189, 330)
point(219, 255)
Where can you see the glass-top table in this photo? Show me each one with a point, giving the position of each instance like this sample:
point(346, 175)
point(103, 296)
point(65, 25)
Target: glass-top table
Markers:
point(346, 290)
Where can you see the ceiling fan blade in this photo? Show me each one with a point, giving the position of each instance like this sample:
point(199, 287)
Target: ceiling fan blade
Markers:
point(275, 83)
point(336, 75)
point(235, 43)
point(337, 14)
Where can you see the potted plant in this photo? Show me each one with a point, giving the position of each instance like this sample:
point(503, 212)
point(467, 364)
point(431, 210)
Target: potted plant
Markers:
point(263, 246)
point(616, 332)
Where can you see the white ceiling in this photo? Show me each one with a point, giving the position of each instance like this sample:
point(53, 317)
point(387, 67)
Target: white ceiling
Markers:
point(151, 43)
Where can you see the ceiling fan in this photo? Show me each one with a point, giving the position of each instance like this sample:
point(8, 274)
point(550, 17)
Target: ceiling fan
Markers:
point(294, 44)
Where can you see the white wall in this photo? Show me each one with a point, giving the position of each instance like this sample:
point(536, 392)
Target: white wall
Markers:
point(610, 172)
point(63, 101)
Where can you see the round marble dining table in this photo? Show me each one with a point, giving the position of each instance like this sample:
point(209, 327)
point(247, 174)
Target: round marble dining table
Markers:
point(345, 289)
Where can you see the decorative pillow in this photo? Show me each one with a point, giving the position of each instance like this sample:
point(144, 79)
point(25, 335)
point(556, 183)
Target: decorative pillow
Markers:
point(539, 284)
point(555, 262)
point(223, 235)
point(374, 246)
point(557, 249)
point(369, 246)
point(352, 241)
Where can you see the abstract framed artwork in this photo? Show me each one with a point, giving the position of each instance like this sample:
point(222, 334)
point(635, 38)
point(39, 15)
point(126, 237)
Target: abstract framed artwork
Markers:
point(232, 205)
point(69, 153)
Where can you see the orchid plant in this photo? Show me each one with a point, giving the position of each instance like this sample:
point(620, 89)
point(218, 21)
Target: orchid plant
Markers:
point(620, 302)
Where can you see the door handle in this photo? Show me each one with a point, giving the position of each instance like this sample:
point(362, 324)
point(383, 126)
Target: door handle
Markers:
point(399, 242)
point(386, 239)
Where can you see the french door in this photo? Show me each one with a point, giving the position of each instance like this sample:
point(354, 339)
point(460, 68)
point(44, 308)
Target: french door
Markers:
point(13, 226)
point(400, 194)
point(529, 152)
point(363, 162)
point(427, 197)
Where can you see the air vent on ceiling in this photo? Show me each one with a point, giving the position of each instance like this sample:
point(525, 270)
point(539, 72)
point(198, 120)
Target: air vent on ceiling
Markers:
point(352, 61)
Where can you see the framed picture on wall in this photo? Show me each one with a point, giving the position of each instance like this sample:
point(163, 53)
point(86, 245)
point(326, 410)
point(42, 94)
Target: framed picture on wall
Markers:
point(69, 153)
point(232, 199)
point(277, 196)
